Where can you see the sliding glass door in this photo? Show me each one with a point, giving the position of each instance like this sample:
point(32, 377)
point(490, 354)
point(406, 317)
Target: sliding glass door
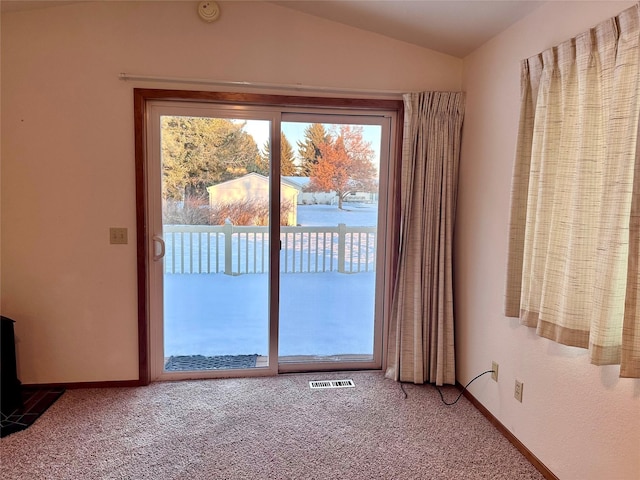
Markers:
point(266, 239)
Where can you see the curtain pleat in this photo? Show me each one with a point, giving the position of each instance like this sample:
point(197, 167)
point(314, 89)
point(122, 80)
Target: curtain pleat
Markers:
point(531, 71)
point(630, 361)
point(573, 253)
point(421, 335)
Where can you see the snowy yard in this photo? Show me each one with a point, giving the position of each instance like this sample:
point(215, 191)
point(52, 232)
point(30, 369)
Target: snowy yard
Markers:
point(356, 214)
point(320, 313)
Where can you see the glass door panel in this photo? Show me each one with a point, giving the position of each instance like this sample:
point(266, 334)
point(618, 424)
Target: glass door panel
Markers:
point(215, 198)
point(329, 255)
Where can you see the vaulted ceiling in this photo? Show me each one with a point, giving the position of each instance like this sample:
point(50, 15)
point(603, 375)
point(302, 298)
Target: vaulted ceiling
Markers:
point(454, 27)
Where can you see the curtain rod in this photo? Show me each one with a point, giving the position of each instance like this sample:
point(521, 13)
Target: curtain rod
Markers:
point(274, 86)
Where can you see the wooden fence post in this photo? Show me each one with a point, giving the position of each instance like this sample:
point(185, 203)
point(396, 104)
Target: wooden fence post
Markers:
point(342, 242)
point(228, 235)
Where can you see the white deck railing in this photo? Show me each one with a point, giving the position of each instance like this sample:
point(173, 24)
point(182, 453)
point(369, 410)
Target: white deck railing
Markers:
point(236, 250)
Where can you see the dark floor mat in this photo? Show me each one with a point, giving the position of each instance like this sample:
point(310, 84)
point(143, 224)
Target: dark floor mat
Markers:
point(35, 402)
point(200, 362)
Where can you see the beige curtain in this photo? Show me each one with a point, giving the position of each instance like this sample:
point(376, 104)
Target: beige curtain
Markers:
point(421, 346)
point(574, 240)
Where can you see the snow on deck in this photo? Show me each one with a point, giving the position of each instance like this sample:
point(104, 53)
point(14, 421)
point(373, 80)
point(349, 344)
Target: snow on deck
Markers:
point(320, 313)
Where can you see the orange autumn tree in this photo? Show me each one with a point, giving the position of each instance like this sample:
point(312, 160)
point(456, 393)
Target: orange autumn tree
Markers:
point(345, 165)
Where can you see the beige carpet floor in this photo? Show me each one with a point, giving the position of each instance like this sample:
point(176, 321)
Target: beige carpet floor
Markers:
point(262, 428)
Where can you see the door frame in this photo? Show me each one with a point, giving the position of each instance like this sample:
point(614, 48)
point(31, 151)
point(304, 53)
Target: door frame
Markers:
point(142, 98)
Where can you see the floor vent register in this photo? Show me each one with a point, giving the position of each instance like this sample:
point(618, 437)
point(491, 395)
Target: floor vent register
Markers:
point(321, 384)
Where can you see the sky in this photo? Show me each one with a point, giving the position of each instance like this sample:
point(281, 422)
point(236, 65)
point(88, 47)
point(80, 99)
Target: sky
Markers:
point(294, 131)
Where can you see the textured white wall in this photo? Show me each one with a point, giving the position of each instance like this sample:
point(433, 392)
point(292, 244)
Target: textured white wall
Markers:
point(580, 420)
point(68, 152)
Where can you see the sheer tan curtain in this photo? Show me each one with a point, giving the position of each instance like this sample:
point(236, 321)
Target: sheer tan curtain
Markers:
point(421, 347)
point(575, 227)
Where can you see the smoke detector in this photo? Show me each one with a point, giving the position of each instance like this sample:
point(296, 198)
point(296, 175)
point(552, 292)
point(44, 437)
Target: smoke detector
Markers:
point(209, 11)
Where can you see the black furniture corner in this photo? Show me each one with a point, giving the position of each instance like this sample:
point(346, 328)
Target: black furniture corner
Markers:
point(10, 396)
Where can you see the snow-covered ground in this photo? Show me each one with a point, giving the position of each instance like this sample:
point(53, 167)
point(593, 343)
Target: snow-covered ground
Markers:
point(352, 214)
point(320, 313)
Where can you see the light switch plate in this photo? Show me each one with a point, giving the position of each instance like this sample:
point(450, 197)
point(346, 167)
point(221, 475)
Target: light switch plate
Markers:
point(118, 236)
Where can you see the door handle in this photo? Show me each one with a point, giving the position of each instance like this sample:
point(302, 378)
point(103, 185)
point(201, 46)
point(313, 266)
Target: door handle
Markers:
point(157, 240)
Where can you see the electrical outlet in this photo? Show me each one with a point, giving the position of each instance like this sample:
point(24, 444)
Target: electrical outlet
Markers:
point(518, 391)
point(118, 236)
point(494, 371)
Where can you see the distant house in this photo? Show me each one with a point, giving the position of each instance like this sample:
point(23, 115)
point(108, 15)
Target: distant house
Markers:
point(254, 186)
point(312, 198)
point(327, 198)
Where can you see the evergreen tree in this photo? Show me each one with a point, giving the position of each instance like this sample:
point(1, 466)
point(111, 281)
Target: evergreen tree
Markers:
point(287, 158)
point(309, 148)
point(198, 152)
